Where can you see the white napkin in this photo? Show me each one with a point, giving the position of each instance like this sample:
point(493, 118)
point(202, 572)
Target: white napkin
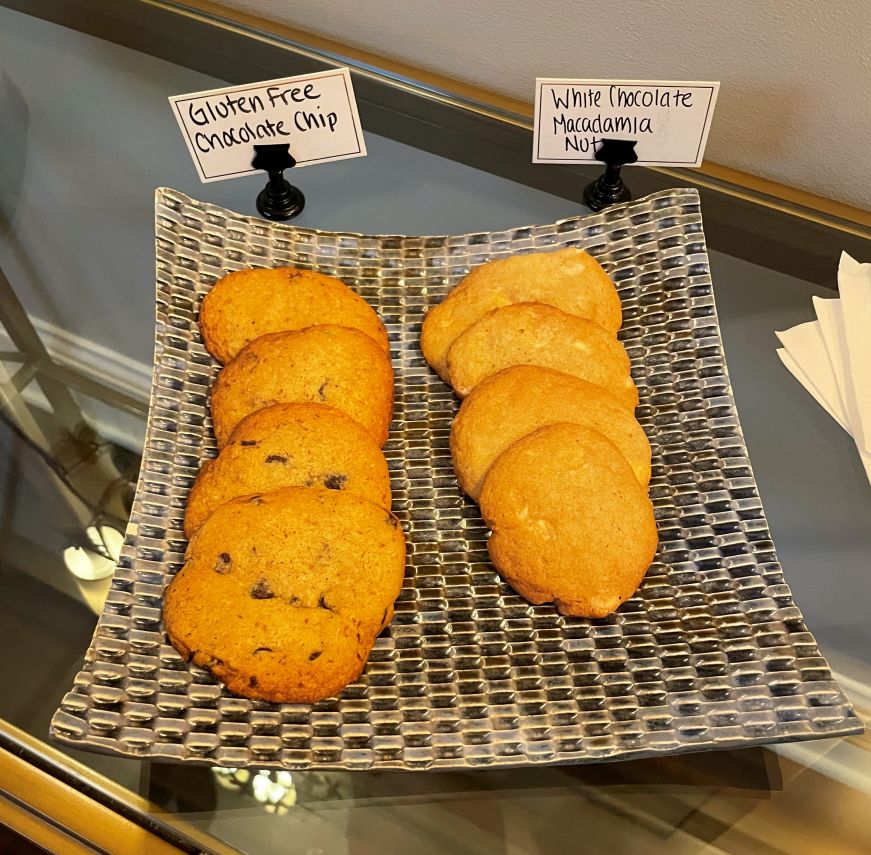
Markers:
point(831, 357)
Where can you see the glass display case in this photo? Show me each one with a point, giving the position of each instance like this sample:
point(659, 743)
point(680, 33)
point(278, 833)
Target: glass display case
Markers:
point(86, 135)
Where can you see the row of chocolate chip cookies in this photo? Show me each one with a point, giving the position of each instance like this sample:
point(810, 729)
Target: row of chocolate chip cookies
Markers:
point(546, 439)
point(295, 559)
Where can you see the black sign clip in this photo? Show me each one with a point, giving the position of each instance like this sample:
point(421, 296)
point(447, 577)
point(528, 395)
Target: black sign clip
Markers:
point(608, 188)
point(279, 199)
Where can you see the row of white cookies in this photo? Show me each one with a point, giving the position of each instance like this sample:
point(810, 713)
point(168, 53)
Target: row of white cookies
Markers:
point(294, 559)
point(546, 439)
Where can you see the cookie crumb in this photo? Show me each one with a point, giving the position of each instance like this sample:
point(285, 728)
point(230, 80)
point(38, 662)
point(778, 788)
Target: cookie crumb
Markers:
point(248, 442)
point(322, 390)
point(276, 458)
point(256, 500)
point(223, 563)
point(335, 481)
point(252, 682)
point(263, 650)
point(323, 604)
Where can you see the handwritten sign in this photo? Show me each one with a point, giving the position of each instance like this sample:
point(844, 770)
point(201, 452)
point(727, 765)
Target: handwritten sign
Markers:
point(669, 120)
point(316, 114)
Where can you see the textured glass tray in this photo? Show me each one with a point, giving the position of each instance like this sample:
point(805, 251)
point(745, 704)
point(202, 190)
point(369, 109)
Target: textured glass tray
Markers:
point(712, 652)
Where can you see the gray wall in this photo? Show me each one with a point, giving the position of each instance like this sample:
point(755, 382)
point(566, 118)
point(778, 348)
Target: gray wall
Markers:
point(795, 74)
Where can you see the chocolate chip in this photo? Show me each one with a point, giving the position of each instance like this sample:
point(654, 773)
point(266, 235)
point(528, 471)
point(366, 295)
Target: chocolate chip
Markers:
point(323, 604)
point(247, 442)
point(276, 458)
point(294, 600)
point(335, 481)
point(314, 655)
point(262, 591)
point(263, 650)
point(252, 681)
point(222, 564)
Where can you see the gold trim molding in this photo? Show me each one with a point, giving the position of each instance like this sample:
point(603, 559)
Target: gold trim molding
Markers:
point(59, 817)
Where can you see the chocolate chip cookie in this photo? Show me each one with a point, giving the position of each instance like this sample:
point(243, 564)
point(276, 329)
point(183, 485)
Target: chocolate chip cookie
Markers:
point(249, 303)
point(283, 594)
point(291, 445)
point(326, 364)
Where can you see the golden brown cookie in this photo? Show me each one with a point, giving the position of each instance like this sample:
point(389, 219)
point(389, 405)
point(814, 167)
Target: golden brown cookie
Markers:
point(536, 334)
point(326, 364)
point(519, 400)
point(250, 303)
point(304, 659)
point(282, 595)
point(571, 524)
point(291, 445)
point(568, 279)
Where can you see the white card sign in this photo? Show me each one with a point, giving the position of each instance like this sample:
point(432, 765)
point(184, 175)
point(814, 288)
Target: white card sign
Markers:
point(669, 120)
point(316, 114)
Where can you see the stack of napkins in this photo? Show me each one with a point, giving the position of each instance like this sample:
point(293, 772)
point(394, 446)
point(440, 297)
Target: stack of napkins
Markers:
point(831, 357)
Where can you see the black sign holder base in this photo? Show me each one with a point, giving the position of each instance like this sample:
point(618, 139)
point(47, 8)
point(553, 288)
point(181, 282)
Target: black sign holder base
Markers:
point(279, 199)
point(609, 189)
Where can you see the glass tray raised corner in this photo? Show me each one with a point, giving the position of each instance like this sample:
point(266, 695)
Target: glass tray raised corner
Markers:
point(712, 652)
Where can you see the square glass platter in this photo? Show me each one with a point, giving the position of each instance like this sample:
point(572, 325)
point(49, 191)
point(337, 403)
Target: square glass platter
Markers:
point(711, 652)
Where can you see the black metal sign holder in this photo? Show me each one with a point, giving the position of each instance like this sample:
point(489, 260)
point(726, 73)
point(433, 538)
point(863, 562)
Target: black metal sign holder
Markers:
point(608, 188)
point(279, 199)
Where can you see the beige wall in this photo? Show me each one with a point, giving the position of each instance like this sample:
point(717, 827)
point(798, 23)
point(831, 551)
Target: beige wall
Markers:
point(795, 100)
